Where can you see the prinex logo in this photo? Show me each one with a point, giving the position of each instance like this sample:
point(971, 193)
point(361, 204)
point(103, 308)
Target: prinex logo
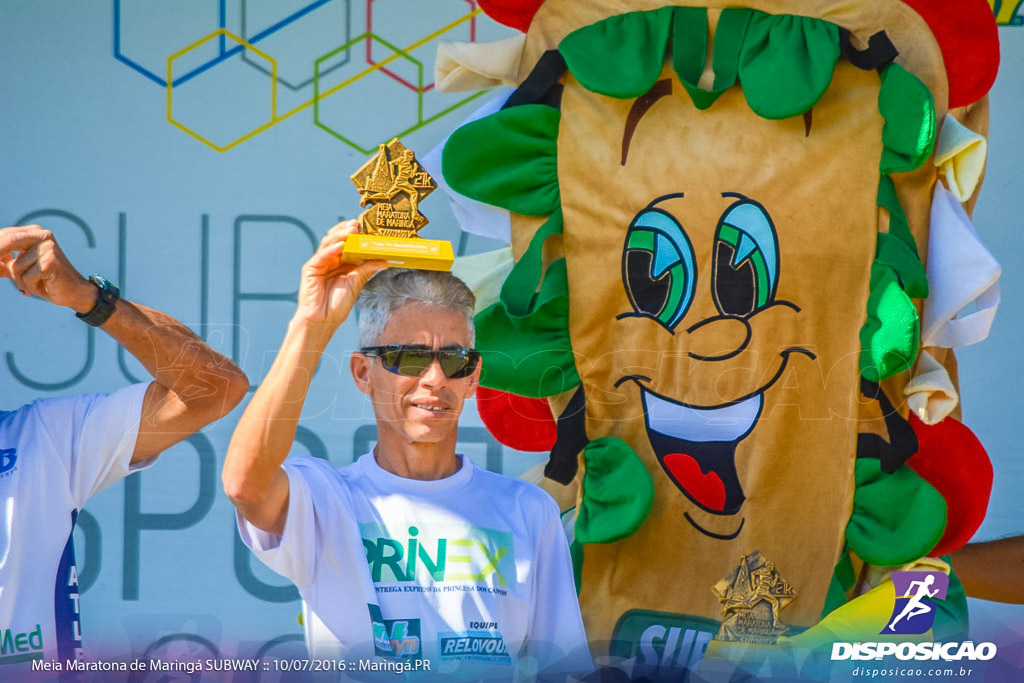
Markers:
point(442, 553)
point(916, 594)
point(8, 458)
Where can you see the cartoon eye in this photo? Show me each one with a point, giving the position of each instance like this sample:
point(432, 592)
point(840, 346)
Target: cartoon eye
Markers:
point(658, 267)
point(746, 259)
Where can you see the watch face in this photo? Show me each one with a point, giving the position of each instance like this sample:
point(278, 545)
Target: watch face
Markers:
point(106, 286)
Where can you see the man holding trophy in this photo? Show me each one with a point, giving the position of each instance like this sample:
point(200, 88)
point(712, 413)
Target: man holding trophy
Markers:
point(411, 558)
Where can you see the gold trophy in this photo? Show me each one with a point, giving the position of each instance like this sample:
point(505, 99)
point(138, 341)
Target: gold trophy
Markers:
point(394, 183)
point(752, 595)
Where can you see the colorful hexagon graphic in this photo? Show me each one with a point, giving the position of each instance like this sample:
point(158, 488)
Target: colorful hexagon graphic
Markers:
point(145, 33)
point(244, 102)
point(297, 38)
point(345, 109)
point(450, 20)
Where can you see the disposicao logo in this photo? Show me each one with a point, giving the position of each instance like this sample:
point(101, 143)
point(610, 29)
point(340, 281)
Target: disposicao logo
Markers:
point(913, 613)
point(916, 594)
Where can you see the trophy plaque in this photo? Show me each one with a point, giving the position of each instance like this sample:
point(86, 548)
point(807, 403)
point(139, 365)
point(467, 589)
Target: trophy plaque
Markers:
point(393, 183)
point(752, 596)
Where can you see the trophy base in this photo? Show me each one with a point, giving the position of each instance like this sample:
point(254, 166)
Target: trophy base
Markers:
point(404, 252)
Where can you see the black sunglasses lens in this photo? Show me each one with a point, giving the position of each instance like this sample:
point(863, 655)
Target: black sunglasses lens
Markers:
point(455, 363)
point(412, 362)
point(452, 363)
point(458, 364)
point(389, 359)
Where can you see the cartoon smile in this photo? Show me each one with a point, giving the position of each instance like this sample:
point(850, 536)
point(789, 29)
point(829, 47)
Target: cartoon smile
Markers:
point(696, 447)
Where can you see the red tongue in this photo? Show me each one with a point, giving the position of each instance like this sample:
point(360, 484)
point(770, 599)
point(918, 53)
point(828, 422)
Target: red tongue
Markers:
point(706, 489)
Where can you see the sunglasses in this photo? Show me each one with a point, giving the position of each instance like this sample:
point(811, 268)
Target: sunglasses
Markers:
point(412, 361)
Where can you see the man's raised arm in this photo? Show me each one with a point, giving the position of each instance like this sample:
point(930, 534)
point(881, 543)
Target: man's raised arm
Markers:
point(194, 385)
point(252, 476)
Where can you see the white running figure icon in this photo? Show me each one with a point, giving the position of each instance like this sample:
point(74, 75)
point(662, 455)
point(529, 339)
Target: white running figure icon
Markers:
point(915, 607)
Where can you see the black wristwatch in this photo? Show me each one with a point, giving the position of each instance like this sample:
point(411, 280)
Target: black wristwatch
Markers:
point(106, 302)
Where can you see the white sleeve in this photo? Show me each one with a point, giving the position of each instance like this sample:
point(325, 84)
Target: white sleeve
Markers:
point(94, 435)
point(555, 636)
point(293, 553)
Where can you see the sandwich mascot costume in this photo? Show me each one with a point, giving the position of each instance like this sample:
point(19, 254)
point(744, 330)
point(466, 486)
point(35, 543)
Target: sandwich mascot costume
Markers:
point(740, 260)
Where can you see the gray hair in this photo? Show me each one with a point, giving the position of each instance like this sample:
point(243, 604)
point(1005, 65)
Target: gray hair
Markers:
point(390, 289)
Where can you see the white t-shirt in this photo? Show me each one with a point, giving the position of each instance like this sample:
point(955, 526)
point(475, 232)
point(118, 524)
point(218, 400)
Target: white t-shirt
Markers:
point(470, 573)
point(54, 455)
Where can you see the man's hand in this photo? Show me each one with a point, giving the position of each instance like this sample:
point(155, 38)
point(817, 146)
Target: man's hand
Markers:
point(31, 257)
point(194, 384)
point(329, 286)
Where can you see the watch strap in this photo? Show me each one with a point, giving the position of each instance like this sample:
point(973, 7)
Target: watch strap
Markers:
point(106, 302)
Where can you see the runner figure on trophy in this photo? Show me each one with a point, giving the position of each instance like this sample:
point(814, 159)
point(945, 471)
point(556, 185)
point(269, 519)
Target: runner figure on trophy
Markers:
point(767, 584)
point(391, 176)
